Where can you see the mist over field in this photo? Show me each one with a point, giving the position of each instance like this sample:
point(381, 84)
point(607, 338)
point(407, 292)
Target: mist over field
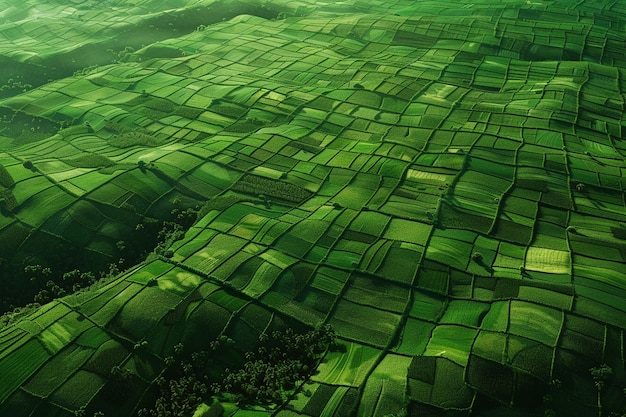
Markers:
point(311, 208)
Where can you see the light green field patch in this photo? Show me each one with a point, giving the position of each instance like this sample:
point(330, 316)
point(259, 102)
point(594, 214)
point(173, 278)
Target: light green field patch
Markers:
point(535, 322)
point(90, 180)
point(546, 296)
point(415, 336)
point(465, 312)
point(497, 318)
point(24, 190)
point(179, 282)
point(602, 271)
point(267, 172)
point(181, 160)
point(547, 260)
point(408, 231)
point(230, 217)
point(219, 249)
point(342, 259)
point(262, 280)
point(216, 175)
point(206, 220)
point(334, 402)
point(151, 270)
point(452, 342)
point(279, 259)
point(449, 252)
point(385, 388)
point(186, 247)
point(251, 413)
point(426, 306)
point(425, 176)
point(370, 222)
point(55, 337)
point(68, 174)
point(353, 197)
point(348, 366)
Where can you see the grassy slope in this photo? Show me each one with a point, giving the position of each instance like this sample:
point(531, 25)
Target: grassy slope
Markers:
point(356, 159)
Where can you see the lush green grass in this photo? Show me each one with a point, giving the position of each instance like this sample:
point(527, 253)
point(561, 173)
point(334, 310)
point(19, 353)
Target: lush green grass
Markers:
point(442, 182)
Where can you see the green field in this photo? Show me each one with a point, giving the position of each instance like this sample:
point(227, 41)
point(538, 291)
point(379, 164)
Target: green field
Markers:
point(441, 182)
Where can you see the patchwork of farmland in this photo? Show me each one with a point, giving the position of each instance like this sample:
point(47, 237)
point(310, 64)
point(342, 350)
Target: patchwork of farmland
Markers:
point(442, 182)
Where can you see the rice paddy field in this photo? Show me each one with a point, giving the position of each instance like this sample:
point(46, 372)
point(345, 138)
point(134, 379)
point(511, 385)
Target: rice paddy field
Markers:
point(442, 182)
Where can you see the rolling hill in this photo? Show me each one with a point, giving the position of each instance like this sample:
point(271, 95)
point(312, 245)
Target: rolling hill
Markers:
point(440, 182)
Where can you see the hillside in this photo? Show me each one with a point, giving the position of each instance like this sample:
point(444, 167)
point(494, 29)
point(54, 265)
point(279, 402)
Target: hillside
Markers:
point(440, 182)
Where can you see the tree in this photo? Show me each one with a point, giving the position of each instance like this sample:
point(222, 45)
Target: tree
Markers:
point(601, 375)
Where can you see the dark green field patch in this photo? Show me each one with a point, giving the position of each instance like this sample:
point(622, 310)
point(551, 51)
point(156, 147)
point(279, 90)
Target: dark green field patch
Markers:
point(347, 321)
point(20, 365)
point(57, 370)
point(368, 290)
point(142, 312)
point(109, 354)
point(78, 390)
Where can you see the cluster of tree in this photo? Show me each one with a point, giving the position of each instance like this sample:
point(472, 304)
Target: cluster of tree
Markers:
point(14, 86)
point(257, 185)
point(36, 285)
point(25, 283)
point(266, 376)
point(7, 201)
point(246, 125)
point(128, 139)
point(175, 229)
point(282, 359)
point(227, 108)
point(610, 397)
point(185, 383)
point(70, 282)
point(6, 180)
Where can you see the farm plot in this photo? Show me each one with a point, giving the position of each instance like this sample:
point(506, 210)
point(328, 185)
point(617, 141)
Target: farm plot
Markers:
point(452, 342)
point(379, 167)
point(215, 253)
point(131, 319)
point(536, 322)
point(408, 231)
point(367, 290)
point(464, 312)
point(385, 389)
point(252, 274)
point(400, 263)
point(151, 270)
point(106, 305)
point(63, 331)
point(20, 365)
point(325, 400)
point(347, 366)
point(78, 391)
point(377, 329)
point(449, 251)
point(57, 370)
point(92, 338)
point(317, 302)
point(179, 282)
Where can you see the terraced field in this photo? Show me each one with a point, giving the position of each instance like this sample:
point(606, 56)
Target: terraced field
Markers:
point(442, 182)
